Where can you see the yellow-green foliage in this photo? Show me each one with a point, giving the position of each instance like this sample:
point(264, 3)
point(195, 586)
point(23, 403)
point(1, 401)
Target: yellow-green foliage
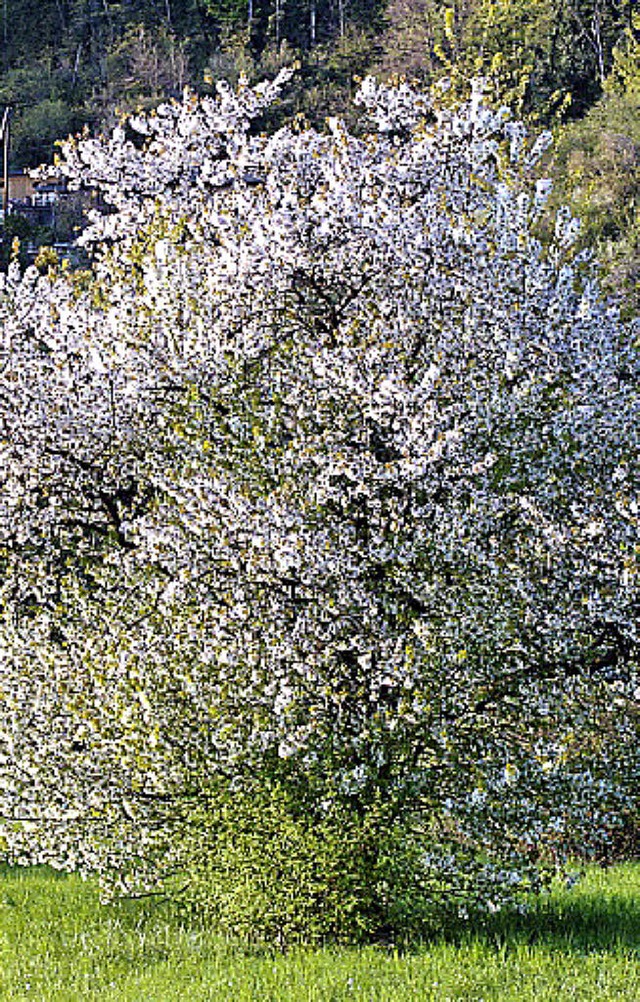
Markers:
point(260, 871)
point(597, 167)
point(625, 73)
point(545, 58)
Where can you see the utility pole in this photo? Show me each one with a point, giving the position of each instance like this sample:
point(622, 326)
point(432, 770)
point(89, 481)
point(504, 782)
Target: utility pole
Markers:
point(313, 11)
point(278, 23)
point(4, 129)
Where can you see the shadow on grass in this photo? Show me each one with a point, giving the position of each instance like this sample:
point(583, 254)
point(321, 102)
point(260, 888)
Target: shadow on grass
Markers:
point(577, 921)
point(582, 922)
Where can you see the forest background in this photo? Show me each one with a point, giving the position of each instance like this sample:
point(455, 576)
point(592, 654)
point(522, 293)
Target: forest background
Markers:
point(568, 64)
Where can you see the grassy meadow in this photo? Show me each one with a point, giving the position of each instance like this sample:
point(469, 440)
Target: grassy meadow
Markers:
point(58, 944)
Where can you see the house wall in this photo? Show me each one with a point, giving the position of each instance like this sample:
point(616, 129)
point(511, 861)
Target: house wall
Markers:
point(20, 187)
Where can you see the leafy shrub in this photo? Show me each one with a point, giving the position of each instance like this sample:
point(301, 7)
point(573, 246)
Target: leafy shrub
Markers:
point(262, 870)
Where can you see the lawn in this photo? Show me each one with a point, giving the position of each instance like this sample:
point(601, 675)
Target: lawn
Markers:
point(58, 943)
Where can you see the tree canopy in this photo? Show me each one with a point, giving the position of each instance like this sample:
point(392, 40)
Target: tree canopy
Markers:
point(318, 524)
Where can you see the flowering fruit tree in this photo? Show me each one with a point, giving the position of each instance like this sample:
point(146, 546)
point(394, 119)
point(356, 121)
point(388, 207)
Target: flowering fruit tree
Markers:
point(318, 515)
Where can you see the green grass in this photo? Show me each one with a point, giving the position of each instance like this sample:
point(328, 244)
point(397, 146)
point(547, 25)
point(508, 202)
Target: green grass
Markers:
point(58, 943)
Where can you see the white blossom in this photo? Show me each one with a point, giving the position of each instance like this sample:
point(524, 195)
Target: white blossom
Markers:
point(327, 465)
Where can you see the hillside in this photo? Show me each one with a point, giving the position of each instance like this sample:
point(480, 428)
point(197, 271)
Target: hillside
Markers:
point(71, 64)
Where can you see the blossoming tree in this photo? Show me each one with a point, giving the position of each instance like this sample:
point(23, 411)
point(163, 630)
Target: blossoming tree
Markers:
point(319, 490)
